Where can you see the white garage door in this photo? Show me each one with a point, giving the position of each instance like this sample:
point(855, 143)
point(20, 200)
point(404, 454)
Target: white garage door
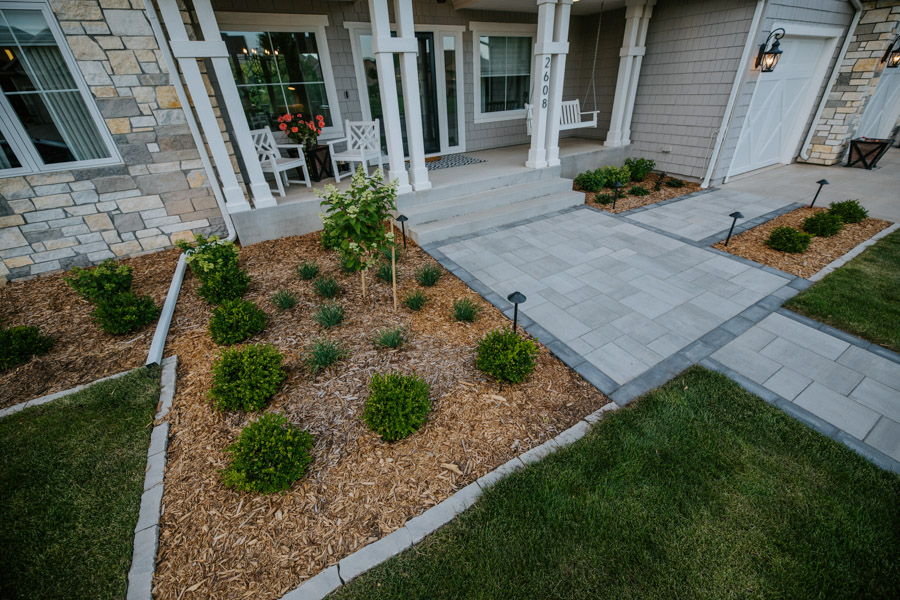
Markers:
point(781, 99)
point(883, 110)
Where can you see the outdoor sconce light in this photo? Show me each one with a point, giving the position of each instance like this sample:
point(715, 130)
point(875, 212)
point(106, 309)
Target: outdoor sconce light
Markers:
point(402, 219)
point(618, 186)
point(735, 215)
point(892, 54)
point(767, 59)
point(516, 298)
point(821, 183)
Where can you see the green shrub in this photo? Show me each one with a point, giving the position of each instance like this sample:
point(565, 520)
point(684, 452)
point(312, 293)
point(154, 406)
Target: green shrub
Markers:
point(228, 283)
point(393, 337)
point(307, 270)
point(247, 378)
point(19, 344)
point(639, 190)
point(506, 356)
point(823, 224)
point(125, 312)
point(674, 183)
point(659, 182)
point(284, 299)
point(324, 353)
point(235, 321)
point(101, 282)
point(640, 167)
point(385, 273)
point(329, 315)
point(429, 275)
point(603, 199)
point(269, 456)
point(850, 211)
point(465, 310)
point(613, 175)
point(215, 264)
point(591, 181)
point(326, 286)
point(788, 239)
point(397, 405)
point(415, 300)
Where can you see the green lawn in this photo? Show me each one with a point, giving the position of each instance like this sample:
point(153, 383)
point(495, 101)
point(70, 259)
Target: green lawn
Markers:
point(862, 297)
point(71, 477)
point(700, 490)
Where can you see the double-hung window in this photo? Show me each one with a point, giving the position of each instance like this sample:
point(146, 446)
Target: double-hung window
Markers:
point(48, 119)
point(503, 60)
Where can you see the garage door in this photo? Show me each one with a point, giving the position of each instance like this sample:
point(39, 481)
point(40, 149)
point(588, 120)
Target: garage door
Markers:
point(781, 99)
point(883, 109)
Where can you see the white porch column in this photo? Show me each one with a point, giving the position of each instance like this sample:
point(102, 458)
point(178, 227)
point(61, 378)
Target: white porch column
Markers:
point(636, 72)
point(187, 52)
point(540, 83)
point(557, 72)
point(409, 74)
point(384, 47)
point(632, 47)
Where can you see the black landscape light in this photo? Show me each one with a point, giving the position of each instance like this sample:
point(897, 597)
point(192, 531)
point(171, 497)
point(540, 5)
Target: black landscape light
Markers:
point(768, 59)
point(735, 215)
point(821, 182)
point(892, 54)
point(516, 298)
point(402, 219)
point(618, 186)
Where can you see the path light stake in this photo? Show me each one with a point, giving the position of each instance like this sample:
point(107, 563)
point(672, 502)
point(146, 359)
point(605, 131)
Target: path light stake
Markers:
point(618, 186)
point(735, 216)
point(393, 267)
point(402, 219)
point(516, 298)
point(821, 183)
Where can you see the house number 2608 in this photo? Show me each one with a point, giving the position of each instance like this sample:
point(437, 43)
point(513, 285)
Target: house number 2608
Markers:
point(545, 88)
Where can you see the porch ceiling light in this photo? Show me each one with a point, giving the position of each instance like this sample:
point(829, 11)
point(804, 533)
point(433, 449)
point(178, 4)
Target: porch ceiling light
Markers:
point(892, 54)
point(768, 59)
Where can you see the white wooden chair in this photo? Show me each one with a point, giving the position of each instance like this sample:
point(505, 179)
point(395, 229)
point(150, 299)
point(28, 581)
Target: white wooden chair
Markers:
point(363, 144)
point(570, 116)
point(271, 161)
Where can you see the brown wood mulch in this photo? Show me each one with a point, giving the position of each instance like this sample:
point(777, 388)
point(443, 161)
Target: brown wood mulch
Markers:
point(81, 352)
point(627, 202)
point(820, 252)
point(220, 543)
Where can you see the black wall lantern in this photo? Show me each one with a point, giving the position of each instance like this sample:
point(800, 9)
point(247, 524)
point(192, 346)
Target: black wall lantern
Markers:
point(892, 54)
point(767, 59)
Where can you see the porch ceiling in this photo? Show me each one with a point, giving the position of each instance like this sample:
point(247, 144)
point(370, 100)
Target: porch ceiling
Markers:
point(580, 7)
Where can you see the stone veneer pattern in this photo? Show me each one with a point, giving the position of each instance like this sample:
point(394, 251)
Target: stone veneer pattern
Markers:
point(52, 221)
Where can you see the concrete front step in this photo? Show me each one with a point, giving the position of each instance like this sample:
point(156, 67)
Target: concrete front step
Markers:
point(462, 205)
point(437, 231)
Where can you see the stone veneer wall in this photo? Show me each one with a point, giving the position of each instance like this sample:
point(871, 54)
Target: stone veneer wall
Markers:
point(52, 221)
point(855, 83)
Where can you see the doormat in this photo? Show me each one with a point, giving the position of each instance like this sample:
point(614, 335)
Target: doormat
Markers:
point(452, 160)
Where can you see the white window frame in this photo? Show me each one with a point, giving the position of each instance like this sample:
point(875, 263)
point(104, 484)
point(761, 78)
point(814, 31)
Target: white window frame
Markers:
point(293, 23)
point(478, 29)
point(13, 129)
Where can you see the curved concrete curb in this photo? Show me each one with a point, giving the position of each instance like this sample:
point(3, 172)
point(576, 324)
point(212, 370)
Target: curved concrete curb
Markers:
point(146, 532)
point(415, 530)
point(56, 395)
point(840, 262)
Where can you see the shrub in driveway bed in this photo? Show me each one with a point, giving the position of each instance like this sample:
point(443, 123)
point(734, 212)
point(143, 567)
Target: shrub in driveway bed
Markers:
point(823, 224)
point(323, 354)
point(674, 183)
point(235, 321)
point(603, 199)
point(591, 181)
point(640, 167)
point(247, 378)
point(215, 264)
point(507, 356)
point(284, 299)
point(19, 344)
point(125, 312)
point(307, 270)
point(103, 281)
point(614, 175)
point(465, 310)
point(638, 190)
point(850, 211)
point(329, 315)
point(415, 300)
point(326, 286)
point(392, 337)
point(429, 275)
point(788, 239)
point(397, 405)
point(269, 456)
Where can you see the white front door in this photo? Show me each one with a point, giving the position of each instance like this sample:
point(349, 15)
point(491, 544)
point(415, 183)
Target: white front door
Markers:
point(883, 109)
point(780, 106)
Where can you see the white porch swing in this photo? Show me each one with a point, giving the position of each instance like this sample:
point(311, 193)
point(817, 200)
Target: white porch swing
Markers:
point(570, 115)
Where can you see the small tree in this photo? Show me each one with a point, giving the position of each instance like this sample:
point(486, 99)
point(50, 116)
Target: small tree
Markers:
point(354, 221)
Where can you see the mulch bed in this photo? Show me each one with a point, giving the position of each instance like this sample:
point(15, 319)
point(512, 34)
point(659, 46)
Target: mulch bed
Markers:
point(81, 352)
point(220, 543)
point(821, 251)
point(627, 202)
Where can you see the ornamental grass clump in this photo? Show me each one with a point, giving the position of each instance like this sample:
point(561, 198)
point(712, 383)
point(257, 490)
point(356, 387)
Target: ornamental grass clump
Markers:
point(18, 344)
point(465, 310)
point(823, 224)
point(247, 378)
point(102, 282)
point(385, 273)
point(397, 405)
point(788, 239)
point(429, 275)
point(215, 264)
point(307, 270)
point(392, 337)
point(849, 211)
point(326, 286)
point(323, 353)
point(235, 321)
point(284, 299)
point(329, 315)
point(268, 456)
point(503, 354)
point(125, 312)
point(415, 300)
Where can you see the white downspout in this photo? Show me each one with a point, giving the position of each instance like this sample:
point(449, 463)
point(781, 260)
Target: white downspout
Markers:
point(735, 89)
point(804, 149)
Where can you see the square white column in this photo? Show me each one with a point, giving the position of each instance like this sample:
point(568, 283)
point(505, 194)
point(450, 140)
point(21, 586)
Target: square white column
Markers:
point(409, 74)
point(557, 73)
point(540, 85)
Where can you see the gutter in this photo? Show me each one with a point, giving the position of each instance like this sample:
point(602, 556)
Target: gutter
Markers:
point(804, 149)
point(157, 346)
point(739, 76)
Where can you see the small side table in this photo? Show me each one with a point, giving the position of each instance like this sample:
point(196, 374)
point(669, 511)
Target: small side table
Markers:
point(867, 151)
point(318, 160)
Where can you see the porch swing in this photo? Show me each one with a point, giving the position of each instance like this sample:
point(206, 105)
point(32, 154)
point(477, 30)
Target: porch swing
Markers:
point(570, 114)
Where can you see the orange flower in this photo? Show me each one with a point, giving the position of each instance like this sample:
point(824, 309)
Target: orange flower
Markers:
point(320, 119)
point(287, 117)
point(282, 127)
point(294, 130)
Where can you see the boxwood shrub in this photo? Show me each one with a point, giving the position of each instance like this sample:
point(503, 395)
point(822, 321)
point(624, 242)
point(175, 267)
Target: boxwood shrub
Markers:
point(850, 211)
point(215, 264)
point(18, 344)
point(103, 281)
point(235, 321)
point(788, 239)
point(268, 456)
point(397, 405)
point(823, 224)
point(247, 378)
point(591, 181)
point(125, 312)
point(506, 356)
point(640, 167)
point(613, 175)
